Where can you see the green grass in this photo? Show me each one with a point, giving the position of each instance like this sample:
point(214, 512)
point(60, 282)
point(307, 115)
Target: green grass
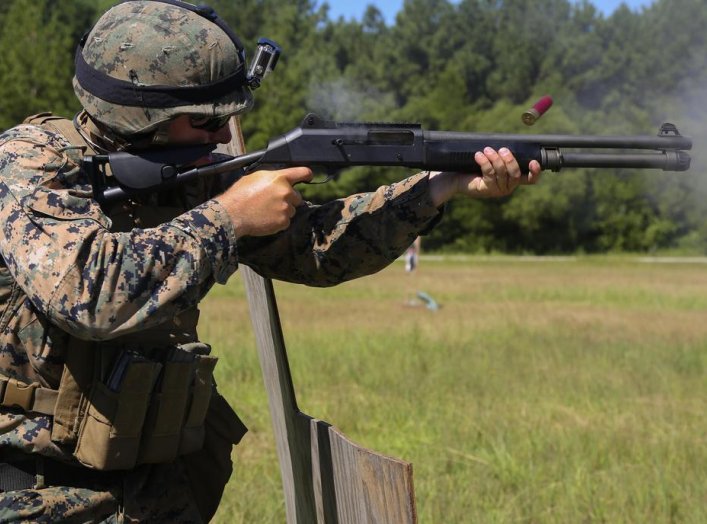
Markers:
point(542, 392)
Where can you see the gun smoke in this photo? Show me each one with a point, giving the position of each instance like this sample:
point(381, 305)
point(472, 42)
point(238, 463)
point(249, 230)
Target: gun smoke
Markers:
point(691, 114)
point(340, 100)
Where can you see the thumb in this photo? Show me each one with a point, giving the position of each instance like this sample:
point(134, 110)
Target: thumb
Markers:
point(295, 175)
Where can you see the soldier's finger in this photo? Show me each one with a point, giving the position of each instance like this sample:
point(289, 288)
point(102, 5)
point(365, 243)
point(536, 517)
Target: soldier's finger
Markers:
point(487, 169)
point(295, 175)
point(535, 169)
point(511, 163)
point(296, 198)
point(499, 167)
point(533, 178)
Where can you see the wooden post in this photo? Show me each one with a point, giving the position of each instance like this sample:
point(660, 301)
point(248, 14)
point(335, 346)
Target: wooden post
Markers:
point(326, 478)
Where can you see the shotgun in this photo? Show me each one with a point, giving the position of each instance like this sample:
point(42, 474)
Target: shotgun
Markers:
point(322, 144)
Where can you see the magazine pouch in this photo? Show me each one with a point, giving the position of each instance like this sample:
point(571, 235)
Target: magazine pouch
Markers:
point(110, 433)
point(192, 438)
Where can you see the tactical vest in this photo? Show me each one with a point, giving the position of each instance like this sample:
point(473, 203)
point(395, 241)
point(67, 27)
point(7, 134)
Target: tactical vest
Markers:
point(137, 399)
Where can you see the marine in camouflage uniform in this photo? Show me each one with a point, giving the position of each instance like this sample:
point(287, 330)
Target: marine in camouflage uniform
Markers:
point(82, 285)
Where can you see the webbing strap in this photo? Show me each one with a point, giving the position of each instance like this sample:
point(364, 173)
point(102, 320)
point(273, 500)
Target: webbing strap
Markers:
point(31, 398)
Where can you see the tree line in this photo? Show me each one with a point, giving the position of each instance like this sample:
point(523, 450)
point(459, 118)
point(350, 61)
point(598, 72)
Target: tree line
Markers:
point(472, 65)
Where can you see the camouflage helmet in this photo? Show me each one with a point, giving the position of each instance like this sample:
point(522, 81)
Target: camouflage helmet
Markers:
point(147, 61)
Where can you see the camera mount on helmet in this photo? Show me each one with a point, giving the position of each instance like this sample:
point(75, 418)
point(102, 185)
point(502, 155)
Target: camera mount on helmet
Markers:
point(263, 63)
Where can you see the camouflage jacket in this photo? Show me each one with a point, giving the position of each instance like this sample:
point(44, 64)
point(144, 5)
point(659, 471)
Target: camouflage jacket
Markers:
point(83, 279)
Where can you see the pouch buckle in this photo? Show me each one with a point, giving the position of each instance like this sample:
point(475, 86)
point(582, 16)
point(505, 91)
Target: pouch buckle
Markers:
point(19, 395)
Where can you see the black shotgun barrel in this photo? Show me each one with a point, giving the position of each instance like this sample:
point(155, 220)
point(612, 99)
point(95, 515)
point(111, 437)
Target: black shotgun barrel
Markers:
point(554, 152)
point(332, 145)
point(666, 160)
point(677, 142)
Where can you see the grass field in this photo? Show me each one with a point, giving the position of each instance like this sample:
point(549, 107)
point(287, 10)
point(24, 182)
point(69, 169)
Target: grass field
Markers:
point(543, 391)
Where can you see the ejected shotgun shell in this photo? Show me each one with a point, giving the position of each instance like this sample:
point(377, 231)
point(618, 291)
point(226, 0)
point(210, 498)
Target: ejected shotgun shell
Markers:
point(538, 110)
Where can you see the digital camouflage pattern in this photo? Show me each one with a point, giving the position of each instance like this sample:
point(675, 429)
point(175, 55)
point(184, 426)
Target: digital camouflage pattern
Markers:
point(83, 279)
point(176, 48)
point(154, 494)
point(347, 238)
point(59, 504)
point(72, 273)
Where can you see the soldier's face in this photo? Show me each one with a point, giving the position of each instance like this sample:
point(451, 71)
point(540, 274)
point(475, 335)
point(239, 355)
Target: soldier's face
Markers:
point(181, 131)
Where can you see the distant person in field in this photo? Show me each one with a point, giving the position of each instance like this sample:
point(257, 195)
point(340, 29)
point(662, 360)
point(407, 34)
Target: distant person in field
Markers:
point(412, 255)
point(412, 260)
point(108, 410)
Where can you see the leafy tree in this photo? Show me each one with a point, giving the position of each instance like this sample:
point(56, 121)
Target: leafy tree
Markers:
point(468, 65)
point(36, 67)
point(417, 47)
point(37, 44)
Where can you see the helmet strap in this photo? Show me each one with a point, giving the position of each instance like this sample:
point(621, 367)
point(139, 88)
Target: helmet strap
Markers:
point(104, 140)
point(160, 137)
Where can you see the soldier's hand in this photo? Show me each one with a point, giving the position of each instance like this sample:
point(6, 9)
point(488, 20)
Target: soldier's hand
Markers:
point(264, 202)
point(500, 176)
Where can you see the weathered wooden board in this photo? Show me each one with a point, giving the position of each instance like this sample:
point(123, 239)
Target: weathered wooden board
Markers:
point(326, 478)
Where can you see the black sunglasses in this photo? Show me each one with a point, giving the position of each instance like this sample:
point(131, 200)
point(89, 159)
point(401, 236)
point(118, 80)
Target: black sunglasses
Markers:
point(209, 123)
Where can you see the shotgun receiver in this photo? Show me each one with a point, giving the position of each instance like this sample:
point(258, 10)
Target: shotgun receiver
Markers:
point(318, 143)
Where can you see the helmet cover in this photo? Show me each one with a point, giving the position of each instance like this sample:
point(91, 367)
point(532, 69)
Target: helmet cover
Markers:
point(159, 45)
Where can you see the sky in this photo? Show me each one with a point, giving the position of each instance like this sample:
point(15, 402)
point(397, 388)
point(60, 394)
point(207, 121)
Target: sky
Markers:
point(389, 8)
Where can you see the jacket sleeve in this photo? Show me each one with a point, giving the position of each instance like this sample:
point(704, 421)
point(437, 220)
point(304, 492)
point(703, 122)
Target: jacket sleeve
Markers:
point(90, 282)
point(347, 238)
